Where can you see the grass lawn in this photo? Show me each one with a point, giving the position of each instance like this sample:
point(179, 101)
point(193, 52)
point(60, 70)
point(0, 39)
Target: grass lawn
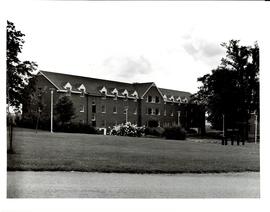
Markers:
point(80, 152)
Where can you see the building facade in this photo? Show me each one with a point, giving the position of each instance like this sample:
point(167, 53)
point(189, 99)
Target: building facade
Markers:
point(104, 103)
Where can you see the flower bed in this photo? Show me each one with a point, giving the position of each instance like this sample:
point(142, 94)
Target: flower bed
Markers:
point(127, 129)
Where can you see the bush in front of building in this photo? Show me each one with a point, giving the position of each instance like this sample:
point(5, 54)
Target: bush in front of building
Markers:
point(154, 131)
point(177, 133)
point(76, 128)
point(127, 129)
point(152, 123)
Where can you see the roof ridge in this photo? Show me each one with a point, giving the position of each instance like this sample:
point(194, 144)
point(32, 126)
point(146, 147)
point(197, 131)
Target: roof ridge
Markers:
point(174, 90)
point(88, 77)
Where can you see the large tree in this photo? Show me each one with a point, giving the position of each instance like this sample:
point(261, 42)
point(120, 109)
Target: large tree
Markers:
point(232, 89)
point(18, 72)
point(64, 110)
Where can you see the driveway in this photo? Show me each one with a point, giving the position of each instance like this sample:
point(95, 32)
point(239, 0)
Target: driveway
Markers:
point(111, 185)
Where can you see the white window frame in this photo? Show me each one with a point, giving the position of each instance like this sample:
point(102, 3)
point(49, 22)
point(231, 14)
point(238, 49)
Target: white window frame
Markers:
point(115, 112)
point(135, 111)
point(104, 109)
point(82, 109)
point(93, 118)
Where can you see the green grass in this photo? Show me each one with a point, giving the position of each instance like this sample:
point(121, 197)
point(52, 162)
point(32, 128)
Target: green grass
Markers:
point(80, 152)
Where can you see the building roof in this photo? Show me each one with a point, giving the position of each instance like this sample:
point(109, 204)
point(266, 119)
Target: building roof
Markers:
point(94, 85)
point(175, 93)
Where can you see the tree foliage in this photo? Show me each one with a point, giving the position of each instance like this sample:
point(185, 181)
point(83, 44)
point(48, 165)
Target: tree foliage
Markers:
point(232, 89)
point(32, 98)
point(64, 109)
point(18, 72)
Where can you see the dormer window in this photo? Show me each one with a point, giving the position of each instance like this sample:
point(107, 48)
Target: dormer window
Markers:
point(185, 100)
point(68, 87)
point(171, 99)
point(82, 90)
point(135, 94)
point(125, 93)
point(115, 93)
point(179, 100)
point(103, 91)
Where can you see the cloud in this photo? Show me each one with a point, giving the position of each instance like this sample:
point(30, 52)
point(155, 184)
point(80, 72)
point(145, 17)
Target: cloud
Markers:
point(128, 67)
point(203, 50)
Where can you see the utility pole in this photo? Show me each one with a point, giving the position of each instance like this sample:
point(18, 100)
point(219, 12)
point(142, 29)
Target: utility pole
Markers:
point(223, 124)
point(126, 113)
point(178, 117)
point(256, 127)
point(52, 89)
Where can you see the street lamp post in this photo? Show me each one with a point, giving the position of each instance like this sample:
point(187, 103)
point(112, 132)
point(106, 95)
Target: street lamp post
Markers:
point(52, 109)
point(223, 124)
point(126, 113)
point(178, 120)
point(256, 127)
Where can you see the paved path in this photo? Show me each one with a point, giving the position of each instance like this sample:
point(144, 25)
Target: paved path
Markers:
point(103, 185)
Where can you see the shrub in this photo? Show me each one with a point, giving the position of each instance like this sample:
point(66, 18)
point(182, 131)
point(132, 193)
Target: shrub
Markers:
point(76, 128)
point(127, 129)
point(175, 133)
point(27, 122)
point(155, 131)
point(152, 123)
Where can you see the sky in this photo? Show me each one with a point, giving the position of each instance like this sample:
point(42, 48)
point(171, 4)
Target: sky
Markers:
point(169, 43)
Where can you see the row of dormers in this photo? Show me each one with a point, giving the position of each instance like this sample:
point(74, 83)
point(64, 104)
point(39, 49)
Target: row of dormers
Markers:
point(178, 99)
point(81, 88)
point(115, 92)
point(125, 93)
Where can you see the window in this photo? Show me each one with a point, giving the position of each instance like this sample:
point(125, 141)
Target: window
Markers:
point(125, 93)
point(103, 109)
point(81, 108)
point(114, 109)
point(149, 111)
point(94, 106)
point(149, 99)
point(157, 99)
point(93, 118)
point(103, 123)
point(135, 111)
point(165, 112)
point(157, 112)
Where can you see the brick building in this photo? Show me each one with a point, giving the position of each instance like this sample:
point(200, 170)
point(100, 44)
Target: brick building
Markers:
point(104, 103)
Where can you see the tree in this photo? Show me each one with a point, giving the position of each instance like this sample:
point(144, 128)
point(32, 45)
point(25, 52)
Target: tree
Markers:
point(32, 102)
point(64, 109)
point(18, 72)
point(232, 89)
